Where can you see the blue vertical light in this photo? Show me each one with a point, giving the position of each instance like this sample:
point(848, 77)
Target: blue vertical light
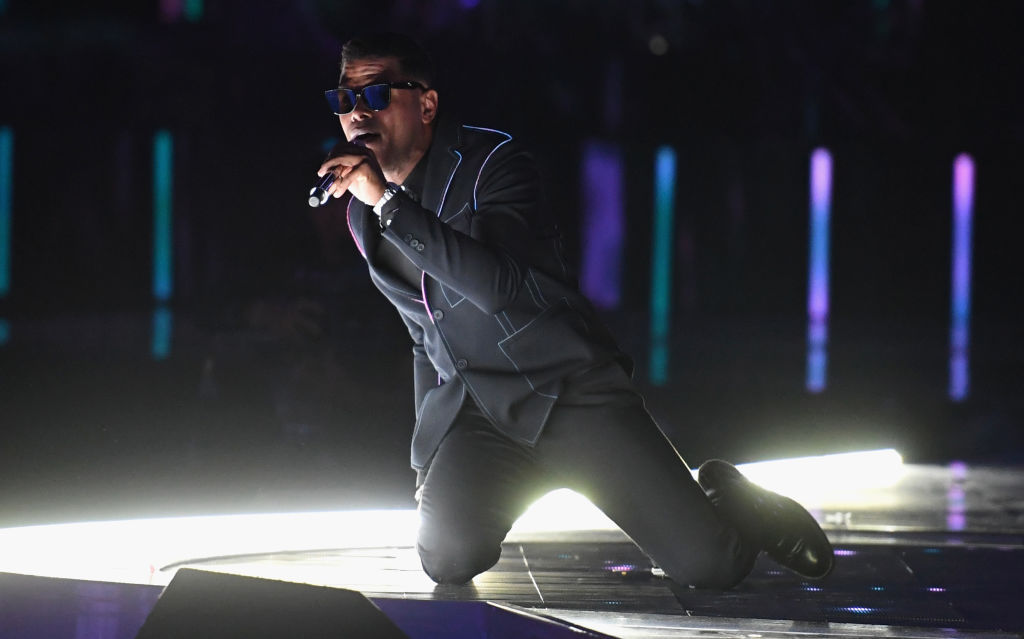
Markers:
point(661, 262)
point(6, 203)
point(960, 307)
point(603, 224)
point(818, 271)
point(163, 162)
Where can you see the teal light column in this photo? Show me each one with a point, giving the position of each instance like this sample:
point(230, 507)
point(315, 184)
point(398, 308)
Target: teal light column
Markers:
point(661, 263)
point(163, 258)
point(193, 10)
point(163, 164)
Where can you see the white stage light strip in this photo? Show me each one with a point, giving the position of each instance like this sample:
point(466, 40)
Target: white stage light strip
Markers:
point(134, 551)
point(812, 480)
point(809, 480)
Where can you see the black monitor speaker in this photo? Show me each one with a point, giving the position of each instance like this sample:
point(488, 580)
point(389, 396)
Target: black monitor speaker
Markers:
point(202, 604)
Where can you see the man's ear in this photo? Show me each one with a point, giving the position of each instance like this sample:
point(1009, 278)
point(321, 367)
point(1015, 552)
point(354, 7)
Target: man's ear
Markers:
point(428, 106)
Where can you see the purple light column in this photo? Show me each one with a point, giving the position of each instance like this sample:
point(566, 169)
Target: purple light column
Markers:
point(960, 307)
point(956, 498)
point(818, 266)
point(602, 224)
point(171, 10)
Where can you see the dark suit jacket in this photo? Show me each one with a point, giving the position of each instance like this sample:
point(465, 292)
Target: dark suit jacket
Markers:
point(496, 314)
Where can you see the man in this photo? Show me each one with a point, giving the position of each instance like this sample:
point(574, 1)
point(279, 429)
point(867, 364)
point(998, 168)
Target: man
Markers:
point(519, 388)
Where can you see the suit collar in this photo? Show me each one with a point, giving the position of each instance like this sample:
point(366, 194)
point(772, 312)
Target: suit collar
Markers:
point(444, 158)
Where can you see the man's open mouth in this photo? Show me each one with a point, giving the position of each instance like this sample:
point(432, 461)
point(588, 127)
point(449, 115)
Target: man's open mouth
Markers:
point(365, 138)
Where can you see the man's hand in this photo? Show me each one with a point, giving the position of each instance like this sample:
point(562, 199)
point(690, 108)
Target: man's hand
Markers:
point(356, 170)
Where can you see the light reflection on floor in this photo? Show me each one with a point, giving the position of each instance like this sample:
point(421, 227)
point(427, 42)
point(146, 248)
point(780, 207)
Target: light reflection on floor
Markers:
point(136, 551)
point(939, 547)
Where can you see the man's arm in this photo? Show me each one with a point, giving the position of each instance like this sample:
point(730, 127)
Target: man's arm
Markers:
point(487, 266)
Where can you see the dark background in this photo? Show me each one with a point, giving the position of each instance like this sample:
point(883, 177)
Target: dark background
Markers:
point(287, 385)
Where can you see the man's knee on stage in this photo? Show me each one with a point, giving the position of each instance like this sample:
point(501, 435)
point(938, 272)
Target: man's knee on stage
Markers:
point(456, 560)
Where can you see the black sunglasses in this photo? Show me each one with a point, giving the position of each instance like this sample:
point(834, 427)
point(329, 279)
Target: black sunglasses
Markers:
point(376, 96)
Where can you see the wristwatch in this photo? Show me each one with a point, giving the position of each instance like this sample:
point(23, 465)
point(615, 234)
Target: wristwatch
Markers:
point(389, 192)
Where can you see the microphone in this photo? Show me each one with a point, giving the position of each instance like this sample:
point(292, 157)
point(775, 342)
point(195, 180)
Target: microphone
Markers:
point(318, 194)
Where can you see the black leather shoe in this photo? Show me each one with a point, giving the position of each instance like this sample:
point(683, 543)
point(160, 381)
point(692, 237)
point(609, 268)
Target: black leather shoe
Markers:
point(782, 527)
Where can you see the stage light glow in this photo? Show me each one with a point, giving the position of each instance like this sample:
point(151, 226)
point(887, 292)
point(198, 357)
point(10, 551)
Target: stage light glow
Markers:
point(193, 10)
point(138, 551)
point(5, 331)
point(170, 10)
point(559, 510)
point(960, 307)
point(174, 10)
point(134, 551)
point(844, 476)
point(6, 206)
point(956, 498)
point(661, 263)
point(603, 224)
point(163, 166)
point(818, 271)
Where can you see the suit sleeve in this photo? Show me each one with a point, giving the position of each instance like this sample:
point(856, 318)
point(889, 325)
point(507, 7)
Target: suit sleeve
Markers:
point(487, 265)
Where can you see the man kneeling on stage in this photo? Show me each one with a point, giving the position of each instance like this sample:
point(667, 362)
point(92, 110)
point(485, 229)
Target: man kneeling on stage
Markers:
point(519, 388)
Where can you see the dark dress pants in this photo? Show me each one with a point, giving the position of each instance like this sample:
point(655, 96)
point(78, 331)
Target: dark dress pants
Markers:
point(604, 446)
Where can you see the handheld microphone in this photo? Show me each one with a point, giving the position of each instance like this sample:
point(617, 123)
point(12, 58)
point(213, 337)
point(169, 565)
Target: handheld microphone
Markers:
point(318, 194)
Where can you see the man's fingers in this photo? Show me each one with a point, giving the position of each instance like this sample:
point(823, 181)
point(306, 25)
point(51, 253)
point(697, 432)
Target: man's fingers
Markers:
point(347, 160)
point(341, 185)
point(356, 172)
point(337, 188)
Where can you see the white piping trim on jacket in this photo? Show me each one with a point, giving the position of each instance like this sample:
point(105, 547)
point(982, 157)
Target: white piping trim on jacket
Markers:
point(500, 144)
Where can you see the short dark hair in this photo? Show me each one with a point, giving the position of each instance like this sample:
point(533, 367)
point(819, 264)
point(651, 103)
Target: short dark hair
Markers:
point(413, 59)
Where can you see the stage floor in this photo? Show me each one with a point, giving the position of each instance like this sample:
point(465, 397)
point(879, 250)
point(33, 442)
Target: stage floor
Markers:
point(936, 552)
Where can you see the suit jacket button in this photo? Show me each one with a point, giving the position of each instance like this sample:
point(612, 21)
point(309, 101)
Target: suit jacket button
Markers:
point(461, 364)
point(407, 238)
point(438, 314)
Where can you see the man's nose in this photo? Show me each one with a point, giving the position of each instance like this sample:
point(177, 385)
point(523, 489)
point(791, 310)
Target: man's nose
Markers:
point(361, 110)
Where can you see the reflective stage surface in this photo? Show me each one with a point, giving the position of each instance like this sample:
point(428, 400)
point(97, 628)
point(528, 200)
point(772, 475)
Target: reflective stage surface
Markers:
point(936, 552)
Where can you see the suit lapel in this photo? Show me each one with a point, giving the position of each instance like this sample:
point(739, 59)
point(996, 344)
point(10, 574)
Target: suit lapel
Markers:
point(445, 157)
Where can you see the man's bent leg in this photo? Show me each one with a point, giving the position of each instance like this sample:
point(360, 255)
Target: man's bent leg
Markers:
point(617, 456)
point(478, 483)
